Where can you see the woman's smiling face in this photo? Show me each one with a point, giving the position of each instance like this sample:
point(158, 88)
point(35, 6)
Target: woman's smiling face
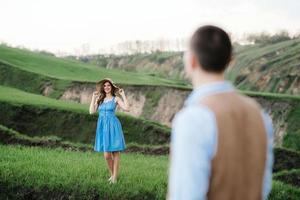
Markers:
point(107, 87)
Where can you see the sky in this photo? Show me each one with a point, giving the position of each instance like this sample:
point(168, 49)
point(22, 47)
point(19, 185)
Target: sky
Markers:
point(68, 25)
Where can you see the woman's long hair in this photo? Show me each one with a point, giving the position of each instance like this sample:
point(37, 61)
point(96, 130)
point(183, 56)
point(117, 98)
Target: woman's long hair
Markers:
point(100, 88)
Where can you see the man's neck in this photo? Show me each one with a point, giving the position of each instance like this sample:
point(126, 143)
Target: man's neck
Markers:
point(199, 80)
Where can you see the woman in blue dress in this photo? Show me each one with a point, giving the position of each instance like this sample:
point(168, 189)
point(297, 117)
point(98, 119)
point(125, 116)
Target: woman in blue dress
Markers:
point(109, 134)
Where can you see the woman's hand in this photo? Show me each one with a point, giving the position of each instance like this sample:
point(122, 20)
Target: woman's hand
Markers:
point(121, 92)
point(95, 94)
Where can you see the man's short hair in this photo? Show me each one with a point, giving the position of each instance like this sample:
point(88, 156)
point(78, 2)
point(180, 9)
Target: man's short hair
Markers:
point(212, 47)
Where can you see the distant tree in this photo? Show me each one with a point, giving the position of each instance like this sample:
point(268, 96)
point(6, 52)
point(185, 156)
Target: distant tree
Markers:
point(143, 46)
point(46, 53)
point(84, 59)
point(281, 36)
point(138, 45)
point(4, 43)
point(297, 35)
point(267, 38)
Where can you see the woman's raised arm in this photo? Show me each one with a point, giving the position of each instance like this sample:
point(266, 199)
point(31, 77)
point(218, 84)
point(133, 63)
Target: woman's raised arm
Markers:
point(123, 104)
point(93, 105)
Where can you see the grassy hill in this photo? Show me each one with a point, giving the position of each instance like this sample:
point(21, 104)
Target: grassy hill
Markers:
point(268, 68)
point(273, 68)
point(38, 115)
point(264, 67)
point(31, 82)
point(67, 69)
point(163, 64)
point(16, 96)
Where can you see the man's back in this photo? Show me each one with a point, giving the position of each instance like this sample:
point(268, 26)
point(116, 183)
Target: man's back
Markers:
point(238, 166)
point(219, 148)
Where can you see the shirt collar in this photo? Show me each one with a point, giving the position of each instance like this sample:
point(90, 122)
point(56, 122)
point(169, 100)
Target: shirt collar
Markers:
point(208, 89)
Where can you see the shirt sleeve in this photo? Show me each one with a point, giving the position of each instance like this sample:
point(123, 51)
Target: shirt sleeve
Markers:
point(193, 145)
point(267, 184)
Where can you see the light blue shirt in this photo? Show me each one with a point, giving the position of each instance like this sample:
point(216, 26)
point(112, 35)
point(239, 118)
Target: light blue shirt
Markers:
point(192, 153)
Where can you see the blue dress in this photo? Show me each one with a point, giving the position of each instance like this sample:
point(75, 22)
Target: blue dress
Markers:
point(109, 133)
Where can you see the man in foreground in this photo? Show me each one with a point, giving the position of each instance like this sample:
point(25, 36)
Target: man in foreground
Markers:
point(221, 144)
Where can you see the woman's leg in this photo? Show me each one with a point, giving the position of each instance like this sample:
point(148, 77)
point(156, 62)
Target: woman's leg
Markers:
point(110, 162)
point(116, 164)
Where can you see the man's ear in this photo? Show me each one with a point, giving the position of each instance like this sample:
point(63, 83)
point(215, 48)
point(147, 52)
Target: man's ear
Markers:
point(194, 61)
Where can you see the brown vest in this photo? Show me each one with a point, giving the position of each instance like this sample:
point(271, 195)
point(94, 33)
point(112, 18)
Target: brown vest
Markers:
point(239, 163)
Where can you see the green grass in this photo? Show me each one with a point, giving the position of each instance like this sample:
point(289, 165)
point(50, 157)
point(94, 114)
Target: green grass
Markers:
point(281, 191)
point(30, 82)
point(72, 70)
point(285, 159)
point(11, 137)
point(28, 172)
point(61, 174)
point(17, 96)
point(291, 177)
point(271, 96)
point(292, 138)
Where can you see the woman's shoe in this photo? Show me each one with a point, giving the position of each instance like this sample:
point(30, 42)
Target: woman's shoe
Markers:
point(109, 179)
point(113, 181)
